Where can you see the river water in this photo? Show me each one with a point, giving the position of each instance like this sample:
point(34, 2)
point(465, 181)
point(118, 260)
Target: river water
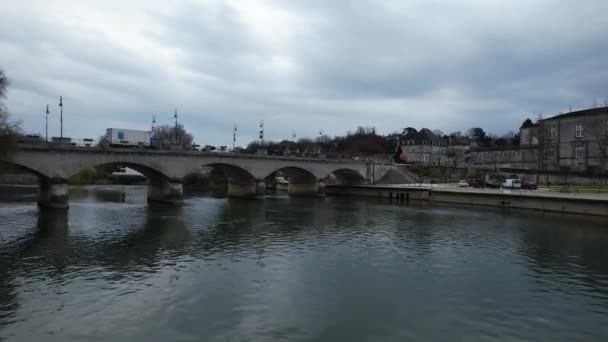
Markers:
point(300, 269)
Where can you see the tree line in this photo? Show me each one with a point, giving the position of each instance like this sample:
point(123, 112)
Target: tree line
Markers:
point(9, 129)
point(365, 141)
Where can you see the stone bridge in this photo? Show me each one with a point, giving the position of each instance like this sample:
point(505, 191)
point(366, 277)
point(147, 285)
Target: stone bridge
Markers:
point(246, 174)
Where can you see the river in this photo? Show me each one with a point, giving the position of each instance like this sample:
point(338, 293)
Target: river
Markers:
point(113, 268)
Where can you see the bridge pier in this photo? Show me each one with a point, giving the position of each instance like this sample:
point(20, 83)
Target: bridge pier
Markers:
point(166, 191)
point(53, 193)
point(255, 189)
point(307, 189)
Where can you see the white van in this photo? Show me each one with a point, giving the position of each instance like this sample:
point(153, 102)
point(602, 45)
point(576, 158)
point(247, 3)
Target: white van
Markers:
point(511, 184)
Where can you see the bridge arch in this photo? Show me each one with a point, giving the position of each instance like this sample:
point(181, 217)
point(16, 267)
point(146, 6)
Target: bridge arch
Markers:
point(153, 174)
point(348, 176)
point(233, 172)
point(25, 168)
point(295, 174)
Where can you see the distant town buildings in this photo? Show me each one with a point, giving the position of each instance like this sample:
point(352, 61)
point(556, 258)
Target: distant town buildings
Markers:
point(427, 148)
point(570, 142)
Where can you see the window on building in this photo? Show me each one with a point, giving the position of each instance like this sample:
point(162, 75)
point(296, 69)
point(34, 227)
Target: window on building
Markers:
point(580, 152)
point(551, 153)
point(552, 132)
point(579, 130)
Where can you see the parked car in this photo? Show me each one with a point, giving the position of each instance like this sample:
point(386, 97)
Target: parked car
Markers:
point(493, 183)
point(463, 183)
point(529, 185)
point(476, 183)
point(511, 184)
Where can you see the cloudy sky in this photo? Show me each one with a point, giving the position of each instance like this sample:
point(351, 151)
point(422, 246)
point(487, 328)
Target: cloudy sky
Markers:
point(301, 65)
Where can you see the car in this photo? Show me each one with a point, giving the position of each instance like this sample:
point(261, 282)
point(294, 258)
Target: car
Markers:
point(511, 184)
point(493, 184)
point(529, 186)
point(476, 183)
point(463, 183)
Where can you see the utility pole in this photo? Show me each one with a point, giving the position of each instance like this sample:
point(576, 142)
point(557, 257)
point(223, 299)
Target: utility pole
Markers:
point(61, 119)
point(293, 136)
point(153, 123)
point(175, 116)
point(233, 137)
point(321, 140)
point(262, 132)
point(47, 124)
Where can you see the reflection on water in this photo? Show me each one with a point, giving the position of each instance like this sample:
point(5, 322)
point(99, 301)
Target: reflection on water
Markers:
point(113, 268)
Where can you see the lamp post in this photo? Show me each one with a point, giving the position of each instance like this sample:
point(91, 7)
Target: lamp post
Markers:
point(61, 119)
point(262, 132)
point(233, 137)
point(321, 140)
point(47, 124)
point(175, 116)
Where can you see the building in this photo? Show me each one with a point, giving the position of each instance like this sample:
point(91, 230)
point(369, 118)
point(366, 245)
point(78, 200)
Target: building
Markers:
point(572, 142)
point(575, 141)
point(427, 148)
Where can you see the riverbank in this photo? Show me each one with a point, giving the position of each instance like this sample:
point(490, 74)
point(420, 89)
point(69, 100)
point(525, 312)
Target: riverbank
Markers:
point(573, 203)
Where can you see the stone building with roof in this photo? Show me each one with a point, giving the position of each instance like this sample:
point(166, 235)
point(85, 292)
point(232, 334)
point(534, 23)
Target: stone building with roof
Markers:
point(575, 142)
point(427, 148)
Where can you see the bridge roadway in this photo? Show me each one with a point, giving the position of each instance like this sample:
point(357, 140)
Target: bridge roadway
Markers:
point(165, 170)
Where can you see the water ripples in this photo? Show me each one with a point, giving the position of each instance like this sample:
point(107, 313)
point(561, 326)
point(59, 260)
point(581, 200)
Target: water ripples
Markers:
point(298, 269)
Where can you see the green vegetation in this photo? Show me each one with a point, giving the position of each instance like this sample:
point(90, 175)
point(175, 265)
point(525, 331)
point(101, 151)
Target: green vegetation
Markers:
point(420, 170)
point(86, 176)
point(196, 180)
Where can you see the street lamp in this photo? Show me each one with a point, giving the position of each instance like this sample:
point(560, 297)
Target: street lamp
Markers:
point(262, 132)
point(233, 137)
point(175, 116)
point(61, 119)
point(47, 124)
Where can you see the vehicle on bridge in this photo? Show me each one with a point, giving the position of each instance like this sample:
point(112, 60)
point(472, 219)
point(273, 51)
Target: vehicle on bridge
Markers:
point(120, 137)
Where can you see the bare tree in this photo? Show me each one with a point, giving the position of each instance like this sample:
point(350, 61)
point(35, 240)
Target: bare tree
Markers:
point(167, 137)
point(9, 129)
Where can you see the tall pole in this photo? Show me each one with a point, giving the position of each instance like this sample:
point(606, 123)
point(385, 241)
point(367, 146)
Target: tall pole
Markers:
point(61, 119)
point(262, 132)
point(320, 140)
point(47, 124)
point(293, 136)
point(233, 137)
point(175, 116)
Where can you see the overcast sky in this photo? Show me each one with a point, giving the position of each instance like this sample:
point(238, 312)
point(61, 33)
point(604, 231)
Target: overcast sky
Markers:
point(301, 65)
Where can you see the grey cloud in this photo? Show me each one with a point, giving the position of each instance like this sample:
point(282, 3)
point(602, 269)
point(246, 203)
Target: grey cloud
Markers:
point(384, 63)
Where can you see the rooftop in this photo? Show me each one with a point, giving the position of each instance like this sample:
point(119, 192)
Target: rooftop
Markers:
point(589, 111)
